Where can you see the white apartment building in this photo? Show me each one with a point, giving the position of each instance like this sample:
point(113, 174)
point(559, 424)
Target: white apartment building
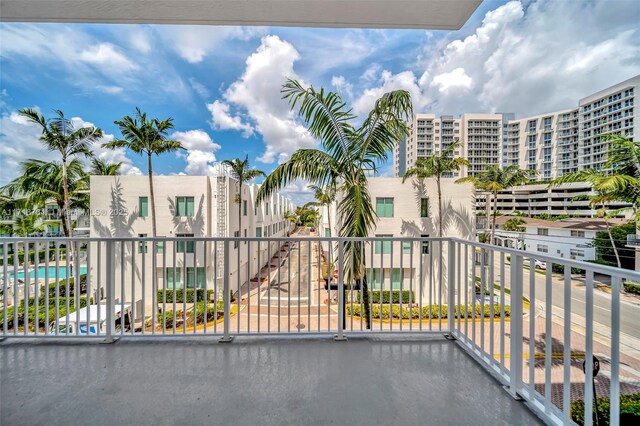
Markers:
point(567, 238)
point(411, 210)
point(186, 206)
point(552, 144)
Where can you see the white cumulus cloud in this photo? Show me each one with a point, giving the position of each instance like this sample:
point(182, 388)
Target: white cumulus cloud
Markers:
point(200, 154)
point(257, 94)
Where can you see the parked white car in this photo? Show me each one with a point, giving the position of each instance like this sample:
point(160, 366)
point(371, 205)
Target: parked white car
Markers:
point(539, 264)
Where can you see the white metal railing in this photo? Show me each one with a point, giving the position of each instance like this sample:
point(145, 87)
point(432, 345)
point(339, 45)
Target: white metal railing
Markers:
point(530, 326)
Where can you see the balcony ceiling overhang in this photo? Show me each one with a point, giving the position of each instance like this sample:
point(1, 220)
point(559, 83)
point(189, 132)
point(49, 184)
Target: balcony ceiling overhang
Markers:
point(417, 14)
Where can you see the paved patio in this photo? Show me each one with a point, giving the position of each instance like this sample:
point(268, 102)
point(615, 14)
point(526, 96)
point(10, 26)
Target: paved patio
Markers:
point(404, 380)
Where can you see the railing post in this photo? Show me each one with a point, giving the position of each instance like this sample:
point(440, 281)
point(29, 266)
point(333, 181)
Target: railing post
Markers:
point(226, 338)
point(341, 313)
point(451, 288)
point(515, 365)
point(110, 289)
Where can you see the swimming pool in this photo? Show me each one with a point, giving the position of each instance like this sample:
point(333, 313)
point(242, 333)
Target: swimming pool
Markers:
point(51, 270)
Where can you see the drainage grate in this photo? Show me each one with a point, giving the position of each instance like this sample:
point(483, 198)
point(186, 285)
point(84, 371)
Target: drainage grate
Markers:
point(300, 326)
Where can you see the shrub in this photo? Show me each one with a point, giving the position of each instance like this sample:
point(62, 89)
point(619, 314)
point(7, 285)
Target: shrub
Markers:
point(31, 314)
point(180, 295)
point(62, 287)
point(429, 311)
point(629, 409)
point(632, 288)
point(214, 312)
point(374, 296)
point(31, 255)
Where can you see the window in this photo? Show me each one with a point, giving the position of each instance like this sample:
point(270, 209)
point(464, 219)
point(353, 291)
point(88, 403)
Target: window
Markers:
point(384, 207)
point(245, 236)
point(236, 234)
point(383, 247)
point(259, 232)
point(175, 277)
point(143, 206)
point(424, 207)
point(327, 232)
point(395, 278)
point(576, 253)
point(543, 231)
point(142, 245)
point(160, 247)
point(579, 234)
point(184, 246)
point(184, 206)
point(266, 209)
point(407, 247)
point(543, 248)
point(244, 207)
point(425, 244)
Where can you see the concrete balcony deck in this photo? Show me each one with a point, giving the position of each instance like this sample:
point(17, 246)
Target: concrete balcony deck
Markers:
point(404, 380)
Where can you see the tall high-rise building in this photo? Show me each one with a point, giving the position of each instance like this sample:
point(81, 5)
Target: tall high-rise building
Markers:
point(552, 144)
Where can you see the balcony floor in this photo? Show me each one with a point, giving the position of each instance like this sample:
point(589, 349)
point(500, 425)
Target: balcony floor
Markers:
point(404, 380)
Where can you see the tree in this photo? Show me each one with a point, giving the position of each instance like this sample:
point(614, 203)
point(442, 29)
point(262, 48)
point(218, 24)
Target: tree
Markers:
point(514, 225)
point(146, 137)
point(59, 134)
point(41, 182)
point(28, 225)
point(105, 168)
point(324, 198)
point(241, 172)
point(307, 216)
point(496, 179)
point(349, 154)
point(611, 245)
point(436, 167)
point(618, 181)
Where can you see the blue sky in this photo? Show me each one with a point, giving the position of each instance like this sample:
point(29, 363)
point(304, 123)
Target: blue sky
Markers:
point(221, 84)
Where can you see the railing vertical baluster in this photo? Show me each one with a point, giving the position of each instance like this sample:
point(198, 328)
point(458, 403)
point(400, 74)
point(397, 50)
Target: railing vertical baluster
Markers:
point(133, 289)
point(309, 289)
point(532, 326)
point(145, 247)
point(459, 286)
point(279, 247)
point(226, 296)
point(185, 286)
point(483, 286)
point(390, 287)
point(421, 282)
point(57, 288)
point(566, 384)
point(466, 292)
point(401, 249)
point(248, 281)
point(205, 303)
point(110, 289)
point(122, 286)
point(440, 283)
point(154, 286)
point(268, 285)
point(491, 308)
point(547, 340)
point(411, 274)
point(36, 286)
point(289, 287)
point(503, 284)
point(515, 364)
point(588, 355)
point(215, 287)
point(14, 286)
point(5, 290)
point(98, 286)
point(259, 283)
point(382, 282)
point(239, 279)
point(340, 335)
point(451, 268)
point(25, 288)
point(614, 413)
point(88, 289)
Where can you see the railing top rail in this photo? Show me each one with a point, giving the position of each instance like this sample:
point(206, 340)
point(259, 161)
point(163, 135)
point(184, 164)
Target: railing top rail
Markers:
point(579, 264)
point(218, 239)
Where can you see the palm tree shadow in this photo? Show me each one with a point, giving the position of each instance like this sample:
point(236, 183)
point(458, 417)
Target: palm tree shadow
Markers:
point(190, 224)
point(557, 347)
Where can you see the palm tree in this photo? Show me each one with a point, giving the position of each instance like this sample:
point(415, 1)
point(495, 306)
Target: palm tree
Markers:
point(324, 198)
point(41, 182)
point(291, 217)
point(241, 172)
point(496, 179)
point(619, 181)
point(146, 136)
point(28, 225)
point(349, 155)
point(436, 167)
point(59, 134)
point(105, 168)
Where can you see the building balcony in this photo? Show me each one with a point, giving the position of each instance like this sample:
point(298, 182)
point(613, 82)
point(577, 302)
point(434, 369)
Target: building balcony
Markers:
point(456, 319)
point(633, 240)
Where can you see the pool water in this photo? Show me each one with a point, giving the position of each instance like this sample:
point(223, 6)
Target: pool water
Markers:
point(42, 271)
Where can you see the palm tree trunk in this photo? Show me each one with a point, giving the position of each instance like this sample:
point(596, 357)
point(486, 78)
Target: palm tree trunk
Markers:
point(613, 244)
point(439, 207)
point(67, 213)
point(239, 210)
point(493, 221)
point(151, 194)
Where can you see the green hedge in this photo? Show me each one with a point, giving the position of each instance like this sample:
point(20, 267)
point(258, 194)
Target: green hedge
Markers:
point(214, 312)
point(374, 296)
point(632, 288)
point(179, 295)
point(62, 287)
point(429, 311)
point(31, 314)
point(629, 410)
point(32, 255)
